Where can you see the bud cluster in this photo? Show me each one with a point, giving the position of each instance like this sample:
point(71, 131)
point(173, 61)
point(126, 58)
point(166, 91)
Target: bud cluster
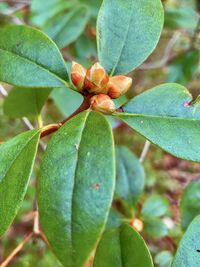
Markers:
point(96, 81)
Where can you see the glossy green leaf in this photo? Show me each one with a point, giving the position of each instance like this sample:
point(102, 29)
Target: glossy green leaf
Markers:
point(183, 69)
point(16, 162)
point(25, 102)
point(188, 254)
point(28, 58)
point(181, 17)
point(66, 100)
point(155, 206)
point(155, 227)
point(130, 176)
point(190, 203)
point(127, 33)
point(66, 27)
point(76, 186)
point(122, 247)
point(165, 116)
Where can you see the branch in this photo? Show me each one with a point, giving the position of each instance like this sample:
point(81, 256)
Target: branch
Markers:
point(16, 250)
point(145, 151)
point(49, 129)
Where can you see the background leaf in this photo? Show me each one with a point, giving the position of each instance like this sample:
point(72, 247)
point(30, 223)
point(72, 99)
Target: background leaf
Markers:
point(28, 58)
point(25, 102)
point(66, 100)
point(16, 162)
point(181, 17)
point(75, 195)
point(66, 28)
point(42, 11)
point(188, 251)
point(155, 206)
point(166, 116)
point(164, 259)
point(190, 203)
point(122, 247)
point(184, 67)
point(127, 33)
point(130, 177)
point(94, 6)
point(155, 227)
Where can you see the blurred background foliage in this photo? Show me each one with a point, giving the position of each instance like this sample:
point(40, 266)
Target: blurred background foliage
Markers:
point(160, 196)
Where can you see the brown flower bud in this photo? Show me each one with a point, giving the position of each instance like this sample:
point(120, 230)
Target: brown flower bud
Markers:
point(118, 85)
point(102, 103)
point(78, 75)
point(96, 79)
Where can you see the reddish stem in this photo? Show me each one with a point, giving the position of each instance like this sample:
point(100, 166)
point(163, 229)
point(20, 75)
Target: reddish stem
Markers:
point(54, 127)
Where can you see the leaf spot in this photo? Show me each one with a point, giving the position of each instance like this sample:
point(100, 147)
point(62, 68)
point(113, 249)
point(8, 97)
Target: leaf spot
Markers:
point(76, 146)
point(18, 44)
point(142, 122)
point(96, 186)
point(186, 104)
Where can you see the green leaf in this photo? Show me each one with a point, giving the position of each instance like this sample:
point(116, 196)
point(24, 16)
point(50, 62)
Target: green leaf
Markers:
point(23, 102)
point(66, 100)
point(181, 17)
point(127, 33)
point(190, 203)
point(155, 206)
point(28, 58)
point(184, 67)
point(16, 162)
point(76, 186)
point(166, 116)
point(65, 28)
point(122, 247)
point(155, 227)
point(130, 176)
point(188, 251)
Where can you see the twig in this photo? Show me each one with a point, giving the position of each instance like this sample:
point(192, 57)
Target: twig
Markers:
point(36, 228)
point(49, 129)
point(16, 250)
point(43, 237)
point(3, 91)
point(145, 151)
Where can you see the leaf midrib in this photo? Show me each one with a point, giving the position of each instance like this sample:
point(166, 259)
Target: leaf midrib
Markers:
point(121, 115)
point(37, 64)
point(124, 41)
point(75, 174)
